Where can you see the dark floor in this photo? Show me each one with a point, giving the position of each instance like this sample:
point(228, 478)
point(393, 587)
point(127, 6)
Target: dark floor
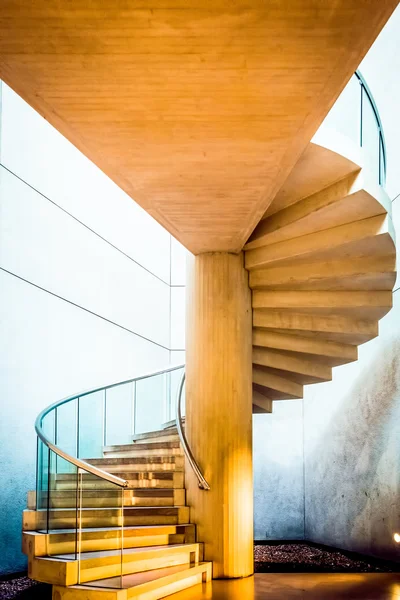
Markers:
point(307, 558)
point(285, 560)
point(24, 588)
point(299, 586)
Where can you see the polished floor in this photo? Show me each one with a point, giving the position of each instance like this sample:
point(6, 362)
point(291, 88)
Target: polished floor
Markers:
point(307, 586)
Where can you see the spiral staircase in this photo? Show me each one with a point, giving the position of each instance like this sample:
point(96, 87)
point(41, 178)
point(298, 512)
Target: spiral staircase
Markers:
point(110, 520)
point(321, 268)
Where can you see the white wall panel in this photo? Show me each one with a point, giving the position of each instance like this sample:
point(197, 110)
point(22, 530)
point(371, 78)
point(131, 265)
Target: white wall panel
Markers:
point(49, 349)
point(178, 300)
point(178, 263)
point(44, 245)
point(41, 156)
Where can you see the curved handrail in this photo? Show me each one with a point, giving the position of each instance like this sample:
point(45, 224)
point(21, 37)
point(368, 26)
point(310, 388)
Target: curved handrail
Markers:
point(203, 484)
point(371, 99)
point(79, 463)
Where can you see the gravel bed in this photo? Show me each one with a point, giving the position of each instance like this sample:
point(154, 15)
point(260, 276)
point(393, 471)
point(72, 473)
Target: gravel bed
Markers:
point(306, 558)
point(23, 588)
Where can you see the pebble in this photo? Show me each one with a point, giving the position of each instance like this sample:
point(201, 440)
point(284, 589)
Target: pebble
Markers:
point(305, 558)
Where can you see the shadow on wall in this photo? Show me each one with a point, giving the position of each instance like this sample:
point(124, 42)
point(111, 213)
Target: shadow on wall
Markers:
point(352, 473)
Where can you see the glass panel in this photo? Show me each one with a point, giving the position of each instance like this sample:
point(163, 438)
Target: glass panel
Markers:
point(119, 414)
point(151, 403)
point(183, 411)
point(62, 508)
point(100, 504)
point(48, 426)
point(42, 458)
point(344, 116)
point(91, 413)
point(42, 475)
point(66, 432)
point(370, 138)
point(175, 378)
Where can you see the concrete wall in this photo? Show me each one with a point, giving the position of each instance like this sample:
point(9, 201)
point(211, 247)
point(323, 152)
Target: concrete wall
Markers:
point(278, 472)
point(91, 292)
point(352, 446)
point(328, 468)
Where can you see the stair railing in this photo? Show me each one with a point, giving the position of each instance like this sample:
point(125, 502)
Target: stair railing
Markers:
point(79, 428)
point(356, 116)
point(203, 484)
point(76, 462)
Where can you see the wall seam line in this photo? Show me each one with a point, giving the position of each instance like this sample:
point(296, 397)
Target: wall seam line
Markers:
point(395, 198)
point(88, 311)
point(83, 224)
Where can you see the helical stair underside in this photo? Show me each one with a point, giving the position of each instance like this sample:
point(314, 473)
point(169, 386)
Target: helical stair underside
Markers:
point(321, 268)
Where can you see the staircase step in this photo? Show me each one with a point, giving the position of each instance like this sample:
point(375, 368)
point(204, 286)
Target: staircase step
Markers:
point(317, 168)
point(172, 423)
point(166, 448)
point(149, 585)
point(106, 498)
point(63, 569)
point(162, 435)
point(139, 463)
point(331, 353)
point(61, 518)
point(371, 238)
point(365, 306)
point(330, 327)
point(345, 201)
point(275, 387)
point(92, 539)
point(353, 274)
point(139, 479)
point(261, 403)
point(290, 364)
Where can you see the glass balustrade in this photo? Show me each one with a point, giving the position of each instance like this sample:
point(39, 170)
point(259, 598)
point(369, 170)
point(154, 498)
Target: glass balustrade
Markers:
point(355, 115)
point(70, 495)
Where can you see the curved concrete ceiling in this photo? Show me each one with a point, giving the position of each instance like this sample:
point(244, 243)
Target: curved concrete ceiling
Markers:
point(198, 110)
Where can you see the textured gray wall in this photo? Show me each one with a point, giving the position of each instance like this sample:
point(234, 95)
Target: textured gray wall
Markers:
point(278, 472)
point(352, 449)
point(328, 468)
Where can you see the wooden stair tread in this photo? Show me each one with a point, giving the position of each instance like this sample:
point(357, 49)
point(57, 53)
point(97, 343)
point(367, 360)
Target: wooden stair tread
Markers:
point(109, 460)
point(346, 201)
point(317, 168)
point(125, 551)
point(136, 579)
point(108, 508)
point(115, 528)
point(142, 492)
point(141, 447)
point(369, 237)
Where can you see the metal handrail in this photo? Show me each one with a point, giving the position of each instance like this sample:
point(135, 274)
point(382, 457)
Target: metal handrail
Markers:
point(203, 484)
point(381, 134)
point(81, 464)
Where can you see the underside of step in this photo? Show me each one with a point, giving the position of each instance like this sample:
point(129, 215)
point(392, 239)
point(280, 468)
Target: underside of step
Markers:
point(321, 268)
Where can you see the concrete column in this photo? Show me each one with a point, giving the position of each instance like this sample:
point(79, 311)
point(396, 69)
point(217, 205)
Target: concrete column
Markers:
point(219, 409)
